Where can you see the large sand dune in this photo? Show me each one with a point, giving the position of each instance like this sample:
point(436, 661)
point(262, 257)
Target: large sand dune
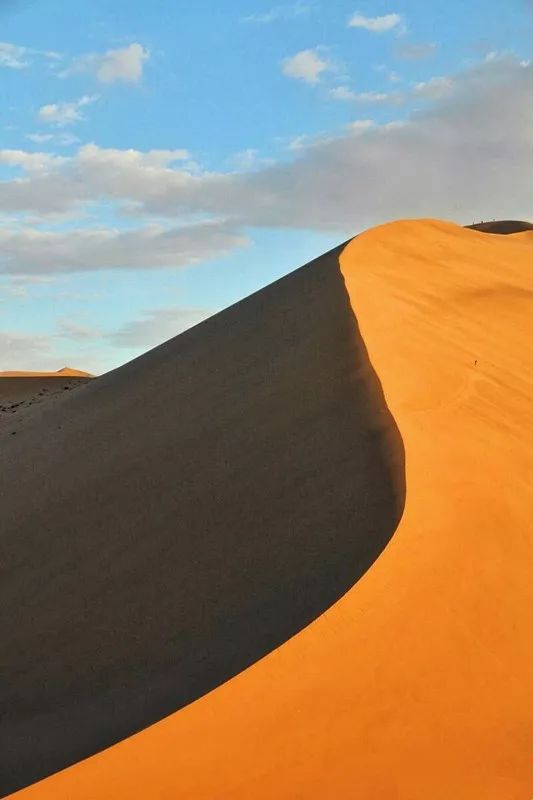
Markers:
point(416, 684)
point(168, 524)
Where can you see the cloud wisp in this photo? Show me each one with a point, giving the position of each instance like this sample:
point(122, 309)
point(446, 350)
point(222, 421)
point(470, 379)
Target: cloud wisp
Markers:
point(125, 64)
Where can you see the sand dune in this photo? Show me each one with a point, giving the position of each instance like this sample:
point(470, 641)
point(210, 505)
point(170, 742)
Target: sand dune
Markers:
point(416, 684)
point(66, 372)
point(502, 226)
point(171, 522)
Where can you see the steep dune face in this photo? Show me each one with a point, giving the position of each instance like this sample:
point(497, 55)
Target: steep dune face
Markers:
point(418, 682)
point(173, 521)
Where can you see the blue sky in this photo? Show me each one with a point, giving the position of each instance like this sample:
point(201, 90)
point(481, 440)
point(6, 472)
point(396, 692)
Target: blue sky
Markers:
point(161, 161)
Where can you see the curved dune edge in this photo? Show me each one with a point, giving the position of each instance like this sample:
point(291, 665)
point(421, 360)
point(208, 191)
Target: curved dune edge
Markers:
point(417, 683)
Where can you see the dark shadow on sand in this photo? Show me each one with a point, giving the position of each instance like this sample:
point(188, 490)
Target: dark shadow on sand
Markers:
point(503, 226)
point(170, 523)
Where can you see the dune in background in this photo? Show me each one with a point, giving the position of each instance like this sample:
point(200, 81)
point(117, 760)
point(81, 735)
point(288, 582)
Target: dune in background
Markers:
point(66, 372)
point(416, 684)
point(503, 227)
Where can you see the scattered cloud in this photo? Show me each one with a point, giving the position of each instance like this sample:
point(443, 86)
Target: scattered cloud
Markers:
point(375, 24)
point(59, 139)
point(249, 159)
point(61, 114)
point(415, 52)
point(157, 325)
point(475, 144)
point(307, 65)
point(435, 88)
point(361, 125)
point(70, 329)
point(344, 93)
point(280, 13)
point(123, 64)
point(14, 56)
point(41, 163)
point(27, 251)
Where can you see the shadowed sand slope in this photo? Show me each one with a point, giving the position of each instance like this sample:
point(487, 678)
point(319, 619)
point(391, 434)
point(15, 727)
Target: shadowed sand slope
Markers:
point(503, 226)
point(171, 522)
point(22, 395)
point(417, 684)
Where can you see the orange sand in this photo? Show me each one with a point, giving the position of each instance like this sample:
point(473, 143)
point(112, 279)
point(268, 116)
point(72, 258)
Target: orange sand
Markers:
point(66, 372)
point(417, 685)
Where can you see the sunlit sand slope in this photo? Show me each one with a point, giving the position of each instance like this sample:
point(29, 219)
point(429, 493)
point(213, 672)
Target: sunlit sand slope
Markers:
point(416, 685)
point(170, 523)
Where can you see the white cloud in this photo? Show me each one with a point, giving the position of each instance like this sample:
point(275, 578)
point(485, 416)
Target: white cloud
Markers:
point(61, 114)
point(307, 65)
point(361, 125)
point(467, 155)
point(344, 93)
point(30, 162)
point(375, 24)
point(279, 13)
point(435, 88)
point(123, 64)
point(26, 251)
point(59, 139)
point(13, 56)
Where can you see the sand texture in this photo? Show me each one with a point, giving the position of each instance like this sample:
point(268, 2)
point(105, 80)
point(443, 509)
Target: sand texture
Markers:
point(269, 454)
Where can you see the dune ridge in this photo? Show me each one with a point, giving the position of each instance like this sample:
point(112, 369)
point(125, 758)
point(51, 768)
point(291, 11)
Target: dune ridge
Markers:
point(417, 683)
point(196, 508)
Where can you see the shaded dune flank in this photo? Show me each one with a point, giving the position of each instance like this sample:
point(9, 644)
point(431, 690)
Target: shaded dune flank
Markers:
point(21, 396)
point(173, 521)
point(417, 684)
point(502, 226)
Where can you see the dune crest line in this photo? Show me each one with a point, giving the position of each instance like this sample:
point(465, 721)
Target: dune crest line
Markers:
point(417, 683)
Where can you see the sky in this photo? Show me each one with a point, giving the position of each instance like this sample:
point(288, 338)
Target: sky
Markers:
point(160, 161)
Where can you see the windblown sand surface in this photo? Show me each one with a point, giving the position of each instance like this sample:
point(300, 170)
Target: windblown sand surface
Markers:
point(417, 684)
point(170, 523)
point(22, 394)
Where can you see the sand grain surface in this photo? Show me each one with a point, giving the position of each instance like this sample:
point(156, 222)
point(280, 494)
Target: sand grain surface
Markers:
point(417, 684)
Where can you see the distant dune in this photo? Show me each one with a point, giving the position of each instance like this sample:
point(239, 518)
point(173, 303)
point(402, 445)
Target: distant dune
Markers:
point(178, 518)
point(66, 372)
point(506, 227)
